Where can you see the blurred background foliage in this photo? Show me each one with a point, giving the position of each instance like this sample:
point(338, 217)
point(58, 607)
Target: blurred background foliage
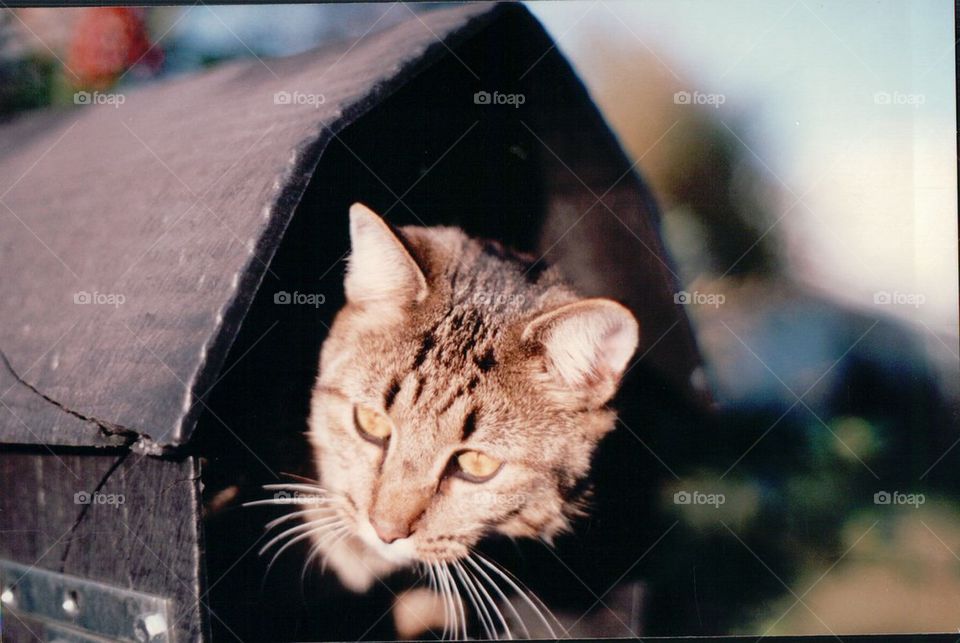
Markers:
point(822, 399)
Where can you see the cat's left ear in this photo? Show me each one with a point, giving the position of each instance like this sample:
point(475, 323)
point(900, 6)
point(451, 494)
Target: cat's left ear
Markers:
point(380, 269)
point(587, 345)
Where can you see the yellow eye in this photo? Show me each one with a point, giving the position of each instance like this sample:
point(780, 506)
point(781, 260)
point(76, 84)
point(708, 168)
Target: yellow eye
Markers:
point(373, 426)
point(476, 466)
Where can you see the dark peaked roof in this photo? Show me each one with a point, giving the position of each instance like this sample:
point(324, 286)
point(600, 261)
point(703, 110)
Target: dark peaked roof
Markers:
point(133, 237)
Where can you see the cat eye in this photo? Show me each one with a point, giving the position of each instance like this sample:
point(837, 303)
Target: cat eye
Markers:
point(477, 467)
point(372, 425)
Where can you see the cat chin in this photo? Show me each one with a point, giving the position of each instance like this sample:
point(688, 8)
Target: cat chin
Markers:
point(400, 552)
point(357, 566)
point(363, 558)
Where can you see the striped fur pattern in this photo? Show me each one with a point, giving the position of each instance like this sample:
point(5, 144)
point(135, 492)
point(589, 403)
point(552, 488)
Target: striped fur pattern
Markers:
point(463, 345)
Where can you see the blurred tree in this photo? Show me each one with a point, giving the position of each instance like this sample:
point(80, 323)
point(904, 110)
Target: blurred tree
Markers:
point(25, 80)
point(48, 54)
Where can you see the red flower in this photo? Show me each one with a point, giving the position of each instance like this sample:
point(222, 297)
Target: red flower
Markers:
point(106, 42)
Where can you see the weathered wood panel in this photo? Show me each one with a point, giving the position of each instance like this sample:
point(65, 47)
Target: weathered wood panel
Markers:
point(148, 542)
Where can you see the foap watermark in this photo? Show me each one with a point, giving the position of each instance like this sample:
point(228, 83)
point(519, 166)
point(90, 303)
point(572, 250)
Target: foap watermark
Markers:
point(95, 298)
point(497, 299)
point(496, 98)
point(299, 98)
point(699, 498)
point(685, 298)
point(501, 499)
point(297, 298)
point(98, 98)
point(895, 298)
point(98, 498)
point(899, 98)
point(699, 98)
point(899, 498)
point(297, 498)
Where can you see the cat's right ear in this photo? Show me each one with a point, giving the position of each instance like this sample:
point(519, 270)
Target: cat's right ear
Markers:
point(380, 268)
point(587, 345)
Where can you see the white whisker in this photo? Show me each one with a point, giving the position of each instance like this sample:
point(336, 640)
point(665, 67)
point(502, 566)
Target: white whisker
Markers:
point(436, 580)
point(481, 609)
point(426, 571)
point(449, 619)
point(459, 600)
point(489, 600)
point(336, 541)
point(327, 540)
point(503, 597)
point(421, 570)
point(323, 540)
point(307, 526)
point(524, 595)
point(429, 572)
point(286, 501)
point(290, 543)
point(455, 575)
point(304, 479)
point(313, 553)
point(290, 516)
point(294, 486)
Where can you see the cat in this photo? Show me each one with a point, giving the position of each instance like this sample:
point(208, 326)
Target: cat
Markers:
point(462, 390)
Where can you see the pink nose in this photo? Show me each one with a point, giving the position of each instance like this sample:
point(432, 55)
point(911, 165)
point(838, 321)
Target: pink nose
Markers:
point(389, 531)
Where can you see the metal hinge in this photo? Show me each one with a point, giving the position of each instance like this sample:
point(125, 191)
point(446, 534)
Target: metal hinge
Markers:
point(74, 610)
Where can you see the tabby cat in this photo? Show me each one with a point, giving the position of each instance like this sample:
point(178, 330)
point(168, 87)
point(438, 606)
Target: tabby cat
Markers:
point(461, 393)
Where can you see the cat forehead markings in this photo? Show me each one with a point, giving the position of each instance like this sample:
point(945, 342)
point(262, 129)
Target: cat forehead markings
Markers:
point(455, 353)
point(453, 324)
point(446, 377)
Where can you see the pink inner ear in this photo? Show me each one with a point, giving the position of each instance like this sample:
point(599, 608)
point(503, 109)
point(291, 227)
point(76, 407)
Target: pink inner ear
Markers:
point(380, 268)
point(589, 343)
point(617, 346)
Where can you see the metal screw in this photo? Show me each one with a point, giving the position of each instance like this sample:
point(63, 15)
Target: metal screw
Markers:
point(150, 626)
point(70, 604)
point(7, 597)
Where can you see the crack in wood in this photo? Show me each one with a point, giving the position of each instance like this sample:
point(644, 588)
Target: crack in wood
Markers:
point(108, 429)
point(85, 508)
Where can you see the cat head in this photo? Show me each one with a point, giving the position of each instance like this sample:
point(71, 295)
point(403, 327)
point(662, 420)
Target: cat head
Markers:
point(462, 391)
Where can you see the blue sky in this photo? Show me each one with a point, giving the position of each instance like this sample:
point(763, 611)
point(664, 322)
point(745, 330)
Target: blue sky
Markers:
point(878, 179)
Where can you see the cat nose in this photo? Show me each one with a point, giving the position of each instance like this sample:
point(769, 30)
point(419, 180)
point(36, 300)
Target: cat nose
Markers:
point(389, 531)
